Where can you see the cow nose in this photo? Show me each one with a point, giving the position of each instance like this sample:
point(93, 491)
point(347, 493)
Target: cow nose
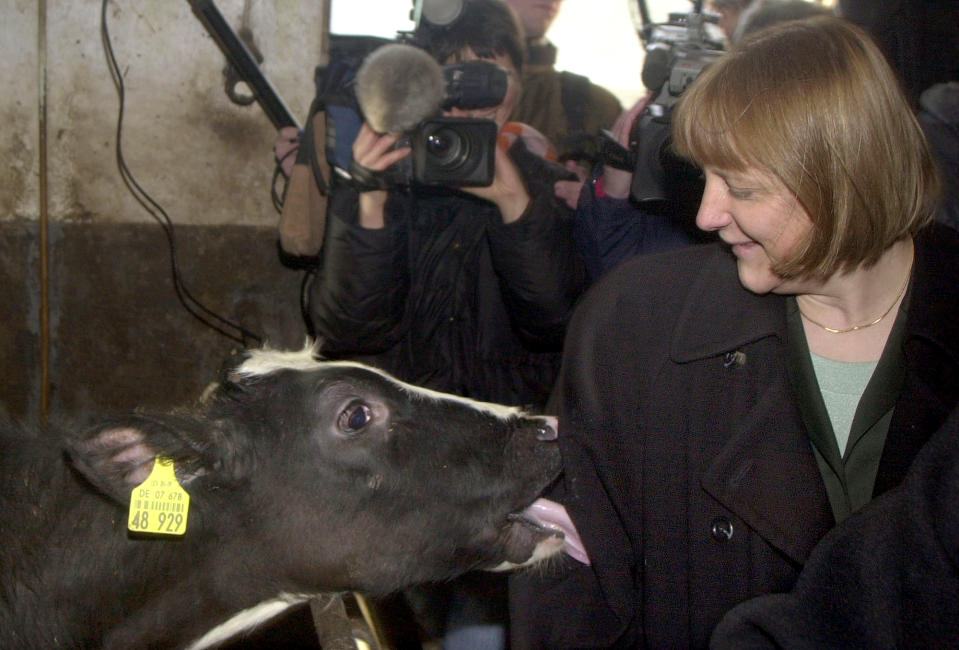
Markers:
point(549, 430)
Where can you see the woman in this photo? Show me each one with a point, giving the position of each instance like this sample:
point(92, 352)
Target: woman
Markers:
point(723, 406)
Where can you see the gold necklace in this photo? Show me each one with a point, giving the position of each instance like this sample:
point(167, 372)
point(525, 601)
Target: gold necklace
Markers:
point(856, 328)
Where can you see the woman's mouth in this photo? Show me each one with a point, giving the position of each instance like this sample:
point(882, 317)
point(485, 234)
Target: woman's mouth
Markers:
point(742, 247)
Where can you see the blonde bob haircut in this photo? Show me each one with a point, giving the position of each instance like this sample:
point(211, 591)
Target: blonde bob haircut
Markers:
point(814, 103)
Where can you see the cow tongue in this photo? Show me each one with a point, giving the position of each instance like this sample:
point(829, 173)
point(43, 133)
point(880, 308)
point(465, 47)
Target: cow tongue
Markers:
point(553, 516)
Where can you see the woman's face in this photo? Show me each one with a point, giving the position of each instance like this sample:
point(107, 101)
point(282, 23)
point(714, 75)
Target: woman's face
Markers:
point(536, 15)
point(728, 17)
point(501, 112)
point(760, 219)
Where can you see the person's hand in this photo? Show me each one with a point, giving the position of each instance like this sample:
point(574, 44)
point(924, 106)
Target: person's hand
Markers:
point(568, 191)
point(373, 152)
point(284, 148)
point(507, 191)
point(617, 182)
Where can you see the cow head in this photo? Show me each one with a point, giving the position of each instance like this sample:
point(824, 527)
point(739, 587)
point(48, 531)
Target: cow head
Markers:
point(341, 477)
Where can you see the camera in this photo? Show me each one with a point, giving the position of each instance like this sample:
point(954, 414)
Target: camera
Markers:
point(676, 53)
point(453, 151)
point(457, 151)
point(399, 88)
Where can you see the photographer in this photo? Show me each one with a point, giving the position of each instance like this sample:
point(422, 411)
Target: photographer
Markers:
point(466, 290)
point(609, 226)
point(565, 107)
point(462, 289)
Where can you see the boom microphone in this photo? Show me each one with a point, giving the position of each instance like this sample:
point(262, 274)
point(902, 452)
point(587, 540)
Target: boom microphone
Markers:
point(398, 86)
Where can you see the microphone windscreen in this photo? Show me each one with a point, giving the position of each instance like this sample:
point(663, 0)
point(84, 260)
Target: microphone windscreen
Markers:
point(656, 68)
point(442, 12)
point(398, 86)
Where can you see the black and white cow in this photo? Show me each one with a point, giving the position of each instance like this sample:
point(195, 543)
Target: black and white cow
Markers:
point(304, 477)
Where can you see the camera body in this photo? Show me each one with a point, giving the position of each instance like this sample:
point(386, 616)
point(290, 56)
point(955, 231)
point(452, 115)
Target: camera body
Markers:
point(453, 151)
point(676, 53)
point(458, 151)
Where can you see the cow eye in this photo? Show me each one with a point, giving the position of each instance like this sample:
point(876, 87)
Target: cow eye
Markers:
point(354, 418)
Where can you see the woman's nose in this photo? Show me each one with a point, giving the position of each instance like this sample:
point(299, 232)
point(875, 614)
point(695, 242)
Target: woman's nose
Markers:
point(713, 209)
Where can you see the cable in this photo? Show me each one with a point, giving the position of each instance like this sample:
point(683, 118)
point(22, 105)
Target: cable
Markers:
point(279, 195)
point(196, 309)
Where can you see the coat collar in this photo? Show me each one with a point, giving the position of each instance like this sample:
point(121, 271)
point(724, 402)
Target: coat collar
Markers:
point(767, 460)
point(739, 317)
point(747, 475)
point(736, 317)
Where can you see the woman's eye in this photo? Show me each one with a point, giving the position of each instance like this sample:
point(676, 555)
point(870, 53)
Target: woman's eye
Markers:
point(354, 418)
point(739, 193)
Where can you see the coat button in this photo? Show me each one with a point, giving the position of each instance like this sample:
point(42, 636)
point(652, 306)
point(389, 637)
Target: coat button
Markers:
point(721, 529)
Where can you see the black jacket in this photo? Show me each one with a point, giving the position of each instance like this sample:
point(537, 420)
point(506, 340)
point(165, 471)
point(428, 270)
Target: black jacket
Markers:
point(887, 577)
point(449, 297)
point(689, 472)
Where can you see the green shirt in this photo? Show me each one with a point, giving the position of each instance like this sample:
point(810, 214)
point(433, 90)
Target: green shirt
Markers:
point(849, 475)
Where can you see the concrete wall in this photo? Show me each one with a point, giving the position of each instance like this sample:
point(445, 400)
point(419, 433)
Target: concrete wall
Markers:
point(94, 324)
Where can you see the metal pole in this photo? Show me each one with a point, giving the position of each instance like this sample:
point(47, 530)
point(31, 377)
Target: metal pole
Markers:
point(44, 213)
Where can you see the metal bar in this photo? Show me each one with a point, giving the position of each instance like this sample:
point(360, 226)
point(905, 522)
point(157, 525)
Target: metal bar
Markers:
point(243, 62)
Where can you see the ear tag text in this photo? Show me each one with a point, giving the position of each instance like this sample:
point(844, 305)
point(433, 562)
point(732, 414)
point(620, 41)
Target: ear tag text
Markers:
point(159, 505)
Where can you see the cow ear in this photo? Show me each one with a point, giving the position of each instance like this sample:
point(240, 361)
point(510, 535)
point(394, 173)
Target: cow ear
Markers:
point(118, 455)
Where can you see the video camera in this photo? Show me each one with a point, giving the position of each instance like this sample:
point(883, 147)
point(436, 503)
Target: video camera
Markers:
point(676, 53)
point(398, 88)
point(456, 151)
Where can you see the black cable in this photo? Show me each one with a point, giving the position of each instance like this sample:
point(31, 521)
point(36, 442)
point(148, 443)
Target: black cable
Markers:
point(195, 308)
point(279, 196)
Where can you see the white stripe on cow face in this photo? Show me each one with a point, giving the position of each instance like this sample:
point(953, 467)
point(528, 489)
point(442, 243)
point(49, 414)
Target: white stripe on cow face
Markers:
point(265, 361)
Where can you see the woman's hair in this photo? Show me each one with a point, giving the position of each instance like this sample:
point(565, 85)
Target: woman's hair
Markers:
point(814, 103)
point(488, 27)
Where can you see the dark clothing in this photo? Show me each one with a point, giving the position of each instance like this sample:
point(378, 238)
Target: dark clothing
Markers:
point(608, 231)
point(918, 37)
point(888, 577)
point(849, 474)
point(689, 472)
point(448, 296)
point(939, 117)
point(562, 106)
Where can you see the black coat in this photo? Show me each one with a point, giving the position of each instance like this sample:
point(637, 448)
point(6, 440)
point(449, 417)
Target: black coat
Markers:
point(689, 472)
point(448, 296)
point(887, 577)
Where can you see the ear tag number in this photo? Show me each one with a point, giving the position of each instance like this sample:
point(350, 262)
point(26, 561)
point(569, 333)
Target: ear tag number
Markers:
point(159, 505)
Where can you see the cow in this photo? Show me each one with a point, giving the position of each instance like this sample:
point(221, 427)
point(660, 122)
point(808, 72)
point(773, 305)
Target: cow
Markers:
point(304, 476)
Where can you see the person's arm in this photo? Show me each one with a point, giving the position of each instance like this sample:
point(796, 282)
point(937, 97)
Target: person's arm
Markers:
point(359, 296)
point(567, 604)
point(541, 273)
point(886, 577)
point(373, 153)
point(609, 227)
point(507, 191)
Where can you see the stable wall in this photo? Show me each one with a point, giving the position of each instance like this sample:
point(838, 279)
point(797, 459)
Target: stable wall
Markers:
point(90, 316)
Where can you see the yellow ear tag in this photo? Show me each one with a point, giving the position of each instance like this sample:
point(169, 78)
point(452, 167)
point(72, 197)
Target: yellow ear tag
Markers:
point(159, 505)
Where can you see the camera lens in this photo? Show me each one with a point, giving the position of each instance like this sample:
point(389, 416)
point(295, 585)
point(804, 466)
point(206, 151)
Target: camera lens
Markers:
point(448, 147)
